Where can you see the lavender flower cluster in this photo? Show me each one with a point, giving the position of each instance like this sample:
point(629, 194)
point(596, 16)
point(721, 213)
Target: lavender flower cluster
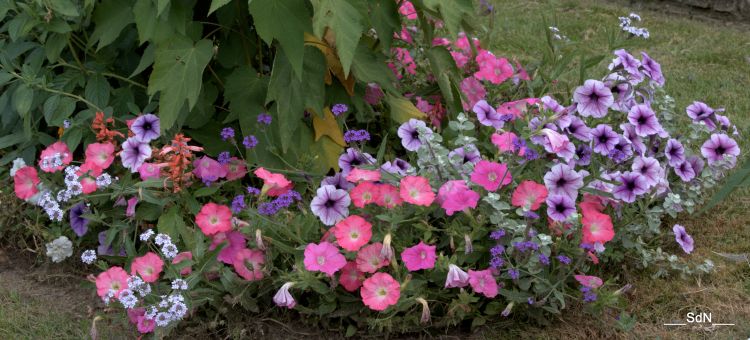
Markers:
point(283, 201)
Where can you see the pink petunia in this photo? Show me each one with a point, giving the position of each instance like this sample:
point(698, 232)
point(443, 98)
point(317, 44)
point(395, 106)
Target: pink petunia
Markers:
point(55, 157)
point(184, 256)
point(490, 175)
point(416, 190)
point(597, 227)
point(353, 232)
point(495, 70)
point(357, 175)
point(88, 184)
point(323, 257)
point(148, 267)
point(350, 277)
point(236, 169)
point(114, 279)
point(25, 182)
point(208, 169)
point(557, 142)
point(248, 263)
point(388, 196)
point(235, 242)
point(370, 258)
point(273, 184)
point(130, 209)
point(482, 281)
point(380, 291)
point(407, 9)
point(473, 90)
point(214, 218)
point(504, 141)
point(455, 196)
point(529, 195)
point(149, 171)
point(100, 155)
point(589, 281)
point(364, 193)
point(137, 317)
point(420, 256)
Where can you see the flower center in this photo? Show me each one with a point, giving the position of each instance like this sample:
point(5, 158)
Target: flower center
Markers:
point(720, 150)
point(321, 260)
point(146, 126)
point(382, 292)
point(213, 220)
point(413, 193)
point(354, 235)
point(422, 255)
point(367, 196)
point(492, 176)
point(330, 203)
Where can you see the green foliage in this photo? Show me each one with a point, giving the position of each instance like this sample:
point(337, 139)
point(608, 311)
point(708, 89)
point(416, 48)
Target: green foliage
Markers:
point(198, 63)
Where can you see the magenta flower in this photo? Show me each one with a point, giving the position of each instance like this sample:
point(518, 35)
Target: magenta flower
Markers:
point(491, 175)
point(455, 196)
point(420, 256)
point(483, 282)
point(700, 112)
point(323, 257)
point(683, 238)
point(593, 99)
point(208, 169)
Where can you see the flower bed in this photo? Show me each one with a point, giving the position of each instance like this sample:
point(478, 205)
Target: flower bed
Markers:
point(514, 206)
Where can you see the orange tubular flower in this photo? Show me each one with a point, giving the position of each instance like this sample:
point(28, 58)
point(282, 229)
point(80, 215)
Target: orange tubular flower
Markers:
point(104, 134)
point(178, 156)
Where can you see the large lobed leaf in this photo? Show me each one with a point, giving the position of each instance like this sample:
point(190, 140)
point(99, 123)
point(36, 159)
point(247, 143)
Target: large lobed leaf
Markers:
point(286, 21)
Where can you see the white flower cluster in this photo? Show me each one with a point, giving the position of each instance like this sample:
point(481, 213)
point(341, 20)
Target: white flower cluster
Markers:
point(556, 34)
point(626, 24)
point(167, 247)
point(51, 206)
point(146, 235)
point(88, 256)
point(50, 162)
point(136, 284)
point(18, 163)
point(170, 308)
point(59, 249)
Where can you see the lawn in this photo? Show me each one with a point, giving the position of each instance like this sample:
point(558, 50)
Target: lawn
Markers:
point(702, 58)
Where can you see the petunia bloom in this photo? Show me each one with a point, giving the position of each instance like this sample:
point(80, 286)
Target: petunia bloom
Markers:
point(248, 263)
point(55, 157)
point(25, 182)
point(456, 277)
point(273, 184)
point(330, 204)
point(357, 175)
point(149, 171)
point(718, 146)
point(631, 186)
point(561, 179)
point(491, 175)
point(351, 278)
point(323, 257)
point(410, 133)
point(146, 127)
point(487, 115)
point(214, 218)
point(597, 227)
point(455, 196)
point(353, 232)
point(529, 195)
point(589, 281)
point(380, 291)
point(683, 238)
point(416, 190)
point(364, 193)
point(114, 279)
point(100, 155)
point(420, 256)
point(644, 120)
point(148, 267)
point(482, 281)
point(593, 98)
point(370, 258)
point(78, 223)
point(560, 207)
point(283, 298)
point(388, 196)
point(208, 169)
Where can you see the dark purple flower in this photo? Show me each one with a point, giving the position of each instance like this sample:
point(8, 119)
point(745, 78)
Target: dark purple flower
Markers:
point(718, 146)
point(104, 249)
point(253, 191)
point(78, 223)
point(238, 203)
point(631, 185)
point(578, 129)
point(700, 112)
point(250, 142)
point(552, 104)
point(264, 119)
point(561, 179)
point(560, 207)
point(487, 115)
point(146, 128)
point(330, 204)
point(497, 262)
point(649, 168)
point(685, 171)
point(134, 153)
point(628, 131)
point(351, 136)
point(563, 259)
point(410, 133)
point(583, 155)
point(530, 215)
point(675, 152)
point(514, 273)
point(683, 239)
point(223, 157)
point(644, 120)
point(593, 98)
point(652, 69)
point(525, 246)
point(466, 154)
point(588, 294)
point(604, 139)
point(696, 163)
point(227, 133)
point(353, 158)
point(629, 63)
point(497, 250)
point(497, 234)
point(397, 166)
point(338, 180)
point(622, 151)
point(543, 259)
point(338, 109)
point(530, 154)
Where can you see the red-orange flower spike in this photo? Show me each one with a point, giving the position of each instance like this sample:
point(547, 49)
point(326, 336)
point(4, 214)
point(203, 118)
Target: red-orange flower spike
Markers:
point(104, 134)
point(178, 157)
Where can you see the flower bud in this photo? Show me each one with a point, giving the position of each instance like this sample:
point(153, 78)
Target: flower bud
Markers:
point(259, 239)
point(283, 298)
point(468, 247)
point(425, 310)
point(456, 277)
point(387, 250)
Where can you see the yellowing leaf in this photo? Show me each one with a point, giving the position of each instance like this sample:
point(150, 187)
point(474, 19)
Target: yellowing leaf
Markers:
point(402, 109)
point(327, 126)
point(333, 63)
point(327, 154)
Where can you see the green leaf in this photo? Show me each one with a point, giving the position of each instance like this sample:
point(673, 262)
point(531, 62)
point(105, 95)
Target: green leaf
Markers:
point(161, 5)
point(285, 89)
point(146, 60)
point(444, 67)
point(402, 109)
point(453, 12)
point(216, 4)
point(385, 19)
point(97, 90)
point(72, 137)
point(245, 92)
point(57, 109)
point(178, 76)
point(346, 23)
point(171, 222)
point(206, 191)
point(732, 183)
point(22, 99)
point(289, 31)
point(110, 18)
point(371, 67)
point(64, 7)
point(10, 140)
point(54, 46)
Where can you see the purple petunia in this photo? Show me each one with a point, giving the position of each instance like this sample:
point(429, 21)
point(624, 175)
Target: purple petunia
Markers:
point(700, 112)
point(78, 223)
point(631, 186)
point(685, 171)
point(134, 153)
point(578, 129)
point(718, 146)
point(652, 69)
point(675, 152)
point(226, 133)
point(396, 166)
point(330, 204)
point(338, 180)
point(487, 115)
point(583, 155)
point(561, 179)
point(696, 163)
point(629, 63)
point(352, 158)
point(560, 207)
point(622, 151)
point(649, 168)
point(604, 139)
point(466, 154)
point(146, 128)
point(410, 132)
point(683, 238)
point(644, 120)
point(593, 98)
point(628, 131)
